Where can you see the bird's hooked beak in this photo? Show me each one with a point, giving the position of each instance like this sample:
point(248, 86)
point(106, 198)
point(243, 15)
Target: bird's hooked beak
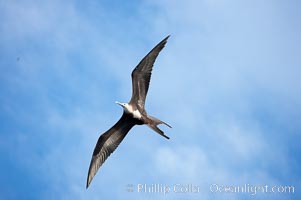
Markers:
point(117, 102)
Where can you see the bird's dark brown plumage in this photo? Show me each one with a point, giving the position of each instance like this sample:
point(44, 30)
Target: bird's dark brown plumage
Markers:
point(110, 140)
point(142, 73)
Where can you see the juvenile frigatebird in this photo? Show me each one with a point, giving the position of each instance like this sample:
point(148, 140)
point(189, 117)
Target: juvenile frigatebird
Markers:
point(134, 113)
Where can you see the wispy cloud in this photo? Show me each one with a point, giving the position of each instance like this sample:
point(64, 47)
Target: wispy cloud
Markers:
point(227, 82)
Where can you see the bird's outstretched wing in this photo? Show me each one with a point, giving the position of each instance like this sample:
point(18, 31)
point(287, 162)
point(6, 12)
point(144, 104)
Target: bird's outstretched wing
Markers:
point(142, 73)
point(107, 143)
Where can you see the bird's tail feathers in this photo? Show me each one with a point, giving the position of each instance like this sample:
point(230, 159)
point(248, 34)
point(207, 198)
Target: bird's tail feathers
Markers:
point(158, 121)
point(154, 125)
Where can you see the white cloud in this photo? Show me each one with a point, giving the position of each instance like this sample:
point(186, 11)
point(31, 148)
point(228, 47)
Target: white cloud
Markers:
point(181, 162)
point(220, 70)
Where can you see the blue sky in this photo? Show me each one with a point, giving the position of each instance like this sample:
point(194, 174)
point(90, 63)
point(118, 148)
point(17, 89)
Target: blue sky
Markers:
point(228, 82)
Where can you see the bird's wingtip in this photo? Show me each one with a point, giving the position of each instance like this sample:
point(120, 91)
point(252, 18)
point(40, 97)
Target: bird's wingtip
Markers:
point(88, 183)
point(89, 179)
point(166, 38)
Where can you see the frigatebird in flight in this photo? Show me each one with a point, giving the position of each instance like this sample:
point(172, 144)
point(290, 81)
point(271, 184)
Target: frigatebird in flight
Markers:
point(134, 113)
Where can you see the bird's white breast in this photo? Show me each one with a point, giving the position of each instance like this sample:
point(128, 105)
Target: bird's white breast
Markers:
point(136, 114)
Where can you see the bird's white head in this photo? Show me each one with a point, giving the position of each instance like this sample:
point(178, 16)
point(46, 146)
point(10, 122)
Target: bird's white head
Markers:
point(125, 106)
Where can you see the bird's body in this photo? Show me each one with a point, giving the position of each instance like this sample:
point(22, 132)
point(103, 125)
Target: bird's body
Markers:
point(134, 113)
point(129, 109)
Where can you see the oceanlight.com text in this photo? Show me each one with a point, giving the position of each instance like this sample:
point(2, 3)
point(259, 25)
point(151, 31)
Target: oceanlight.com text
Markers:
point(251, 189)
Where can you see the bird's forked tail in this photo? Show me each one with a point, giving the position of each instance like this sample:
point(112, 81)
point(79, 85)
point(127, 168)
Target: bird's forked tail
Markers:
point(153, 124)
